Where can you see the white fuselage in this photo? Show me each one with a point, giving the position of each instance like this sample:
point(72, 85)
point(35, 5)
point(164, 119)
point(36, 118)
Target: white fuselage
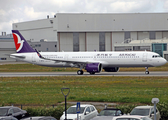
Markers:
point(107, 59)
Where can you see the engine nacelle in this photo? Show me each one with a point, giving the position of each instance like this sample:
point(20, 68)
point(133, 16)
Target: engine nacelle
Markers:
point(111, 69)
point(93, 67)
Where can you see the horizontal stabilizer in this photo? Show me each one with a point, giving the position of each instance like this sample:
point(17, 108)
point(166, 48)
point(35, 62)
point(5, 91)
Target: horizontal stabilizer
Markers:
point(17, 56)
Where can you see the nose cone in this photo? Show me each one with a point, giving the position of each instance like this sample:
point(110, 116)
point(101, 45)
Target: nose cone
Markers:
point(164, 61)
point(160, 62)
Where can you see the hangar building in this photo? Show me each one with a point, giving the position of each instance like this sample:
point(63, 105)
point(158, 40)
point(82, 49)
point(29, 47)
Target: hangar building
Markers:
point(6, 47)
point(101, 32)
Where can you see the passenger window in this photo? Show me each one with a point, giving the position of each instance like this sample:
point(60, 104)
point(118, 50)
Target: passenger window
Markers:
point(88, 109)
point(10, 111)
point(16, 110)
point(152, 111)
point(118, 113)
point(92, 108)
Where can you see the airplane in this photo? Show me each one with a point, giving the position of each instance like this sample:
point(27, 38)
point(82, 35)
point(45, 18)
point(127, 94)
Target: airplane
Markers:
point(92, 62)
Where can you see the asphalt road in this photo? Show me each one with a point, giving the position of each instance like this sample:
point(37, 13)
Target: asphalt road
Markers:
point(31, 74)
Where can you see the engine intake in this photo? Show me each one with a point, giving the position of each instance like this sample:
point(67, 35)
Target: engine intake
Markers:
point(111, 69)
point(93, 67)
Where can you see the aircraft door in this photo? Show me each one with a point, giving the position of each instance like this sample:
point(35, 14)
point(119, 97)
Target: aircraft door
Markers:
point(66, 57)
point(144, 57)
point(33, 57)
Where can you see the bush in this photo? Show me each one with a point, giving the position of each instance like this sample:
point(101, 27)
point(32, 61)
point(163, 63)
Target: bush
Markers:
point(54, 112)
point(163, 108)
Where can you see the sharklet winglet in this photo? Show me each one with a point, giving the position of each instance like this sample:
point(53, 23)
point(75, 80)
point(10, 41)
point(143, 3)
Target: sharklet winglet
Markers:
point(40, 56)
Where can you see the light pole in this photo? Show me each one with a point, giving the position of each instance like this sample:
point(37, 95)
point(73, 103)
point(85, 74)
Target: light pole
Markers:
point(155, 101)
point(65, 95)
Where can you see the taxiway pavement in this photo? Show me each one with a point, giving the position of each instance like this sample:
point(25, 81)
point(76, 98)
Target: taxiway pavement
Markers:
point(33, 74)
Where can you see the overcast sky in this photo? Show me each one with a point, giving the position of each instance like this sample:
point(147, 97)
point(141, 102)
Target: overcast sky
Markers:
point(14, 11)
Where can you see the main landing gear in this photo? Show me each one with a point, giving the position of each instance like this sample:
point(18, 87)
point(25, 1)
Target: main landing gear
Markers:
point(146, 72)
point(80, 72)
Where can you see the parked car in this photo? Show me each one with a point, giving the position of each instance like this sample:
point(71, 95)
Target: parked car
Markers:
point(13, 111)
point(8, 118)
point(108, 114)
point(40, 118)
point(131, 117)
point(87, 112)
point(146, 111)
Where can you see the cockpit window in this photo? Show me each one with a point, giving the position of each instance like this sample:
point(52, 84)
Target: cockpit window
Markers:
point(156, 56)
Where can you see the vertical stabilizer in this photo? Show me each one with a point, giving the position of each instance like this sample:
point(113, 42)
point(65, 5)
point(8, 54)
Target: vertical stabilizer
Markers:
point(20, 43)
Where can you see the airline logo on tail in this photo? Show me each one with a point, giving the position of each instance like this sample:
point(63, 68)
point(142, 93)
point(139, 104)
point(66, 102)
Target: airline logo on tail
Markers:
point(18, 42)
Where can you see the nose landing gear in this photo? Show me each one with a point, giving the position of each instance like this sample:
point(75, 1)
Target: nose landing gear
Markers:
point(146, 72)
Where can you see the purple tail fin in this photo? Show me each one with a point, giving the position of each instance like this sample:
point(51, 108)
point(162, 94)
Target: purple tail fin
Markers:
point(20, 43)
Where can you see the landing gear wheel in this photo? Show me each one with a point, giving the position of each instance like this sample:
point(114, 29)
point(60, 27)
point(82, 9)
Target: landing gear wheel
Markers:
point(92, 73)
point(80, 72)
point(147, 72)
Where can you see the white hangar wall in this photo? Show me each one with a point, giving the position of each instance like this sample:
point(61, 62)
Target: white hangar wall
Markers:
point(6, 48)
point(88, 32)
point(112, 22)
point(37, 30)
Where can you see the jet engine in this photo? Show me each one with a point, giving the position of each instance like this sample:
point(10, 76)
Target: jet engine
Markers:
point(111, 69)
point(93, 67)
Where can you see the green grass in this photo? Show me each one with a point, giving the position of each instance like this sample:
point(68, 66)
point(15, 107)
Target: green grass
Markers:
point(36, 68)
point(47, 90)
